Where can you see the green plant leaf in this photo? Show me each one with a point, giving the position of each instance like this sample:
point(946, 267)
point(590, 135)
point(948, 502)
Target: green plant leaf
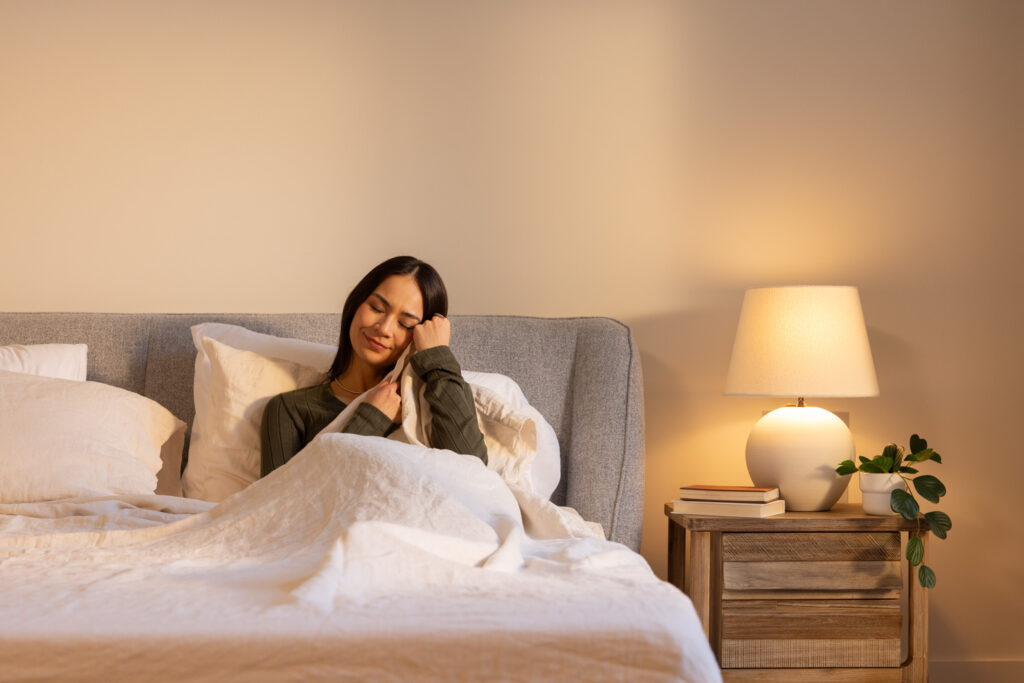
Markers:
point(930, 488)
point(917, 443)
point(907, 470)
point(936, 457)
point(939, 522)
point(863, 459)
point(871, 468)
point(926, 576)
point(921, 456)
point(904, 504)
point(894, 454)
point(883, 462)
point(915, 550)
point(846, 467)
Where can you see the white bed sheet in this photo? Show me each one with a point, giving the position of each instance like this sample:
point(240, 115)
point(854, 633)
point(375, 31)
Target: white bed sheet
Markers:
point(362, 559)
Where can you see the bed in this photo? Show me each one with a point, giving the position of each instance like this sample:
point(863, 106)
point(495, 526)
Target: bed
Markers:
point(362, 559)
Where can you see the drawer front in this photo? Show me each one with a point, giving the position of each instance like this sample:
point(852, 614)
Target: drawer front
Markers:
point(816, 576)
point(810, 654)
point(811, 633)
point(811, 565)
point(811, 600)
point(811, 547)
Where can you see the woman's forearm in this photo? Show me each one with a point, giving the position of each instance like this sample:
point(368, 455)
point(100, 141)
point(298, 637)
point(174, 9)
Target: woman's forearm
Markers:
point(453, 412)
point(367, 420)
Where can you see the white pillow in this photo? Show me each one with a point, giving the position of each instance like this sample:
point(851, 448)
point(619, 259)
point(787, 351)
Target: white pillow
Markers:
point(510, 436)
point(70, 361)
point(64, 361)
point(206, 458)
point(241, 383)
point(61, 438)
point(546, 469)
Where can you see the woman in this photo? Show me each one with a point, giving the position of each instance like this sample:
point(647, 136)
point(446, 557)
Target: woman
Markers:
point(401, 301)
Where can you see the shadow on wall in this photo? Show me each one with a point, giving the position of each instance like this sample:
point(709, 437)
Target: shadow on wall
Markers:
point(684, 356)
point(693, 433)
point(902, 378)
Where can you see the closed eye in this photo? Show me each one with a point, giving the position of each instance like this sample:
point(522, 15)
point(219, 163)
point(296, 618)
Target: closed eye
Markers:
point(378, 304)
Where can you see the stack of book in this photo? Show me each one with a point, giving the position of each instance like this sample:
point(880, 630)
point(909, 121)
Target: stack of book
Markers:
point(730, 501)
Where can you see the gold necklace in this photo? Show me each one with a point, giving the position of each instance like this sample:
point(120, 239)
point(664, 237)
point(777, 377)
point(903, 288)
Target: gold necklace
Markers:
point(351, 391)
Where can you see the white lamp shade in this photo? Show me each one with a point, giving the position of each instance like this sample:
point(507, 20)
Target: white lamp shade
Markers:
point(802, 341)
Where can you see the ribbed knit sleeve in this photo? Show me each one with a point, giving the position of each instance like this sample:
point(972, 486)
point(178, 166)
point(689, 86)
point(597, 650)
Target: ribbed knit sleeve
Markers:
point(453, 422)
point(282, 434)
point(291, 420)
point(368, 420)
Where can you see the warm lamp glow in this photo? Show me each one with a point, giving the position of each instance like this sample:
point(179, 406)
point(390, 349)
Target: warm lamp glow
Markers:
point(801, 341)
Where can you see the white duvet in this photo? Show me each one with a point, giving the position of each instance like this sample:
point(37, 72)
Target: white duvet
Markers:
point(361, 559)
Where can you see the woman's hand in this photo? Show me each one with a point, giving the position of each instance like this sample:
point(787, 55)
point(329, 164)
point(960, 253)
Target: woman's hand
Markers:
point(385, 398)
point(434, 332)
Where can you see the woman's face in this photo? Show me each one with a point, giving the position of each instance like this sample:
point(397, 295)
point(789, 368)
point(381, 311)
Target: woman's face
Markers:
point(382, 326)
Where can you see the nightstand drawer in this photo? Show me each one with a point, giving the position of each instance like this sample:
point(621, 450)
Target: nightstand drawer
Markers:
point(811, 547)
point(811, 633)
point(811, 565)
point(811, 576)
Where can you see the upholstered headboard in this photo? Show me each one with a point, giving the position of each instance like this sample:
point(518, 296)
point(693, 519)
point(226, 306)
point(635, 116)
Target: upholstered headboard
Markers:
point(583, 374)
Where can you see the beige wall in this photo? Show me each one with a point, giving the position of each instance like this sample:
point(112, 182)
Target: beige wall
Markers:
point(642, 160)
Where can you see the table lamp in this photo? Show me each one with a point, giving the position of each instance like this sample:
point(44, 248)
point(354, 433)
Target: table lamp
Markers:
point(801, 342)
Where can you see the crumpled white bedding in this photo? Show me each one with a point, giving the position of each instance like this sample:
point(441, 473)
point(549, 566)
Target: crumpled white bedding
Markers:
point(361, 559)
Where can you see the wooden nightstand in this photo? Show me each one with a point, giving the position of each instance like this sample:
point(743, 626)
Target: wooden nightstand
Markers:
point(803, 596)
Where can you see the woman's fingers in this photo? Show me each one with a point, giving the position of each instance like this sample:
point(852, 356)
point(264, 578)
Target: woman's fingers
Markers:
point(433, 332)
point(385, 398)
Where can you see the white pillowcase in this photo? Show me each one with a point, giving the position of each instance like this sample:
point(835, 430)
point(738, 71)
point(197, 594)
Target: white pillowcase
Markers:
point(61, 438)
point(224, 453)
point(64, 361)
point(241, 383)
point(207, 473)
point(545, 470)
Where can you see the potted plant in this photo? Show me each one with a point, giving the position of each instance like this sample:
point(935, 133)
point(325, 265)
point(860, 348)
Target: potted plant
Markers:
point(890, 472)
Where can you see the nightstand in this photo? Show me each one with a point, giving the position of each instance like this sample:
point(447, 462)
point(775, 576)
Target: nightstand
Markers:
point(803, 596)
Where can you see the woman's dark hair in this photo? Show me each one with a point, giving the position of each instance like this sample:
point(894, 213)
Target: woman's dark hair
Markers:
point(435, 300)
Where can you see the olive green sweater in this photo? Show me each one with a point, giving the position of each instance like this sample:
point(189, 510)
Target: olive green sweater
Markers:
point(291, 420)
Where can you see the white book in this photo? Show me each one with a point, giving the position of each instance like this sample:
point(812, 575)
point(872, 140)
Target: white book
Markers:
point(707, 507)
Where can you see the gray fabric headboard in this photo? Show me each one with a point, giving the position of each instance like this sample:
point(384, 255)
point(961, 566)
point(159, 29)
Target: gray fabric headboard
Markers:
point(583, 374)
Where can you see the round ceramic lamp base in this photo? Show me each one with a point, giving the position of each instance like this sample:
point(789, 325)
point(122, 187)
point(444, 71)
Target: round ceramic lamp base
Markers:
point(798, 449)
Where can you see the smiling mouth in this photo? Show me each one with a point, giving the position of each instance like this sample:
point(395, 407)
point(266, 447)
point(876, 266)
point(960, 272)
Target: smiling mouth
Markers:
point(377, 346)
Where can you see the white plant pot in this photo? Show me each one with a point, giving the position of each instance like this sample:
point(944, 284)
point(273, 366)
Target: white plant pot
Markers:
point(877, 489)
